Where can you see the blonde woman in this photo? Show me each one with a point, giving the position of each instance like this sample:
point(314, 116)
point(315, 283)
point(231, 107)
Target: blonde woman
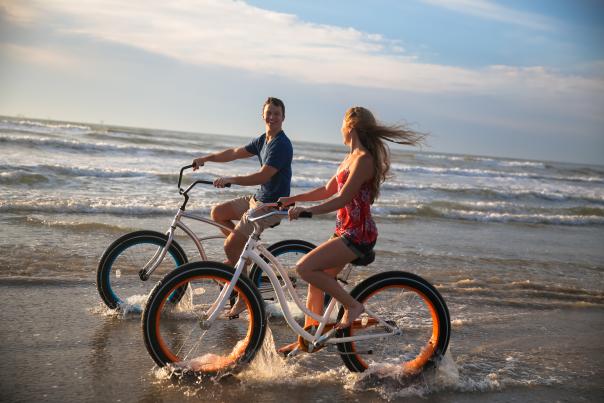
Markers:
point(354, 187)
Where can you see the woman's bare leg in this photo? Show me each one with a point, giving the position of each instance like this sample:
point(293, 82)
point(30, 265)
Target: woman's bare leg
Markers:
point(316, 298)
point(331, 254)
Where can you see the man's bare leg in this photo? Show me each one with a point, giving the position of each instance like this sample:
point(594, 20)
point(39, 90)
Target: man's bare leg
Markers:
point(223, 214)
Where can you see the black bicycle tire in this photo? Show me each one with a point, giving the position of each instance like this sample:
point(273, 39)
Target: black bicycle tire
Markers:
point(379, 281)
point(121, 244)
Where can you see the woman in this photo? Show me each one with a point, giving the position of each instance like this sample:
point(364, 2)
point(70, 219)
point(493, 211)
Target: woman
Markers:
point(356, 186)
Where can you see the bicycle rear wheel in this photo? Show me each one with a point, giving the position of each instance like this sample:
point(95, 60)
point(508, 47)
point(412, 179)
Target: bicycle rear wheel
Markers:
point(414, 307)
point(118, 282)
point(177, 334)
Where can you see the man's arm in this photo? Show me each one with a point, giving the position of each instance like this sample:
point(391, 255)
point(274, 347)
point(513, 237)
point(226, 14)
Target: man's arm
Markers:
point(229, 155)
point(257, 178)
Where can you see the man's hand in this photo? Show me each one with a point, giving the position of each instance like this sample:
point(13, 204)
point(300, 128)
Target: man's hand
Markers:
point(198, 162)
point(223, 182)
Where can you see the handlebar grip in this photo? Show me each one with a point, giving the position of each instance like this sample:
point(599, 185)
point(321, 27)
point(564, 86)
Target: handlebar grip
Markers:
point(305, 214)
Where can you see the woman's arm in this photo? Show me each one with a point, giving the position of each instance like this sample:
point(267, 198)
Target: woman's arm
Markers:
point(319, 193)
point(361, 170)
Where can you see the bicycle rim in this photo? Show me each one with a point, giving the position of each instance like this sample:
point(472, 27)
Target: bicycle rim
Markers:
point(420, 318)
point(121, 282)
point(174, 333)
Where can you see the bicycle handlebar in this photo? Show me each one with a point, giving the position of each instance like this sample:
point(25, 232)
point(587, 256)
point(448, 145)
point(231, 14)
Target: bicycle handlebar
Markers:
point(205, 182)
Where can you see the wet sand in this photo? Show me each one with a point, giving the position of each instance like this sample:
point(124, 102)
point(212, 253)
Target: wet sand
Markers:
point(59, 344)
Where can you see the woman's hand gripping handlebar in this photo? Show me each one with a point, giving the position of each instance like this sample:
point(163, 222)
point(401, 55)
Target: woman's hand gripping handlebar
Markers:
point(275, 209)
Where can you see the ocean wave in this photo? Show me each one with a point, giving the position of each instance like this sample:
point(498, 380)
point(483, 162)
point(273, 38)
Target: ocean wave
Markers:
point(487, 160)
point(97, 147)
point(91, 206)
point(26, 174)
point(40, 127)
point(22, 178)
point(501, 194)
point(501, 214)
point(75, 225)
point(309, 160)
point(437, 210)
point(307, 182)
point(36, 174)
point(489, 173)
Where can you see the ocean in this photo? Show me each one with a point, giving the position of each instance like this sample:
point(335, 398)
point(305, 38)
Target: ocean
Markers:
point(516, 248)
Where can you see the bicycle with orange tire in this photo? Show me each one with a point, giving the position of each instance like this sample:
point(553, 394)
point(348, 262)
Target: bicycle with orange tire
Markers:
point(406, 321)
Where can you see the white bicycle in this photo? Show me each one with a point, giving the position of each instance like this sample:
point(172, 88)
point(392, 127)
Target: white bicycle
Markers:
point(127, 264)
point(406, 321)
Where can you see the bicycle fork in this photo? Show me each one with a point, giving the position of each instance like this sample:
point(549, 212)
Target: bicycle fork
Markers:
point(161, 252)
point(213, 312)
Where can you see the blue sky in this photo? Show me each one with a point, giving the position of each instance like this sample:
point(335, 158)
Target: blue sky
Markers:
point(518, 79)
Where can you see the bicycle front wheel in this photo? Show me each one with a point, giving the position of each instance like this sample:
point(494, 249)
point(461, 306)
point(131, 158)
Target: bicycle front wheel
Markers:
point(417, 312)
point(118, 282)
point(179, 334)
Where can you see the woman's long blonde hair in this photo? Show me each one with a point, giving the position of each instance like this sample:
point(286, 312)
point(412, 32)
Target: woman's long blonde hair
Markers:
point(373, 136)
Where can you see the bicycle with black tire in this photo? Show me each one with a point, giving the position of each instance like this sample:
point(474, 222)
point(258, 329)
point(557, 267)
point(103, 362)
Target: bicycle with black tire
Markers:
point(126, 266)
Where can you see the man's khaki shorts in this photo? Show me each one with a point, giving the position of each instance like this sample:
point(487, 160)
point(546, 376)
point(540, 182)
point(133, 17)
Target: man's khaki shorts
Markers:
point(240, 206)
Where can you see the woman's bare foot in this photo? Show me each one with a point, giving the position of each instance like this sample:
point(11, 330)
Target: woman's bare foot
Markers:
point(350, 314)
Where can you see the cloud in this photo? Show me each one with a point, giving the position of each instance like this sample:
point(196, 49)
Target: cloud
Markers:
point(17, 12)
point(489, 10)
point(237, 35)
point(39, 55)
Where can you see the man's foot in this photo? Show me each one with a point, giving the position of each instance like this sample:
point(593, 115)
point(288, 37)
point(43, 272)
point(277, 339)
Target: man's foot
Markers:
point(350, 314)
point(236, 309)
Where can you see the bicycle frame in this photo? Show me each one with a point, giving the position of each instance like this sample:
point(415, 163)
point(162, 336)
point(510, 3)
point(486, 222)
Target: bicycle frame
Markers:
point(160, 254)
point(254, 251)
point(177, 222)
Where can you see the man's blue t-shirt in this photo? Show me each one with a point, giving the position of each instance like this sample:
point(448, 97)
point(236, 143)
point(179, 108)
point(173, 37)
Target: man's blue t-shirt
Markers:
point(278, 154)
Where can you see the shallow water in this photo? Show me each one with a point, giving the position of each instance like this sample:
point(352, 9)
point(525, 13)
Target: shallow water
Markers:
point(514, 247)
point(60, 344)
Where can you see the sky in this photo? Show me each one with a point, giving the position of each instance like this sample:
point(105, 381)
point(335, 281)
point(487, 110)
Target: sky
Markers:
point(517, 79)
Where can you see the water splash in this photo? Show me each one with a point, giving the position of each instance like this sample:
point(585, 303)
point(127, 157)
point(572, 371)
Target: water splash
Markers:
point(392, 381)
point(267, 365)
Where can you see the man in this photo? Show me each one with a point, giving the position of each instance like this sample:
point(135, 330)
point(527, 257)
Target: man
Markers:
point(274, 151)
